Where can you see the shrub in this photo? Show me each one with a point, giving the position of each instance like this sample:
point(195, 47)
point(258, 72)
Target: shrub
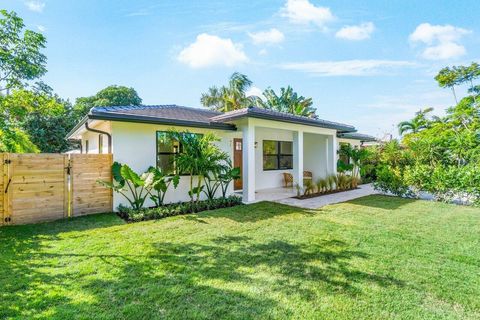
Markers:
point(175, 209)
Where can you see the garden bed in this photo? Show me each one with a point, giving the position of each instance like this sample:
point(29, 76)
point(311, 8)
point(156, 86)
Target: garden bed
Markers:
point(319, 194)
point(175, 209)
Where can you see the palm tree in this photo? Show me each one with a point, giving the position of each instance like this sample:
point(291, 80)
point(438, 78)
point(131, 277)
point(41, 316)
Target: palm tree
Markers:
point(288, 101)
point(230, 97)
point(418, 123)
point(449, 78)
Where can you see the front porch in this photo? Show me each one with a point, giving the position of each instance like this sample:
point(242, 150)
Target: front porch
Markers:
point(268, 152)
point(285, 196)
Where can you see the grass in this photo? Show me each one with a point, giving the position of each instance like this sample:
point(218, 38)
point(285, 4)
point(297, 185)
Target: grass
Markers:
point(375, 257)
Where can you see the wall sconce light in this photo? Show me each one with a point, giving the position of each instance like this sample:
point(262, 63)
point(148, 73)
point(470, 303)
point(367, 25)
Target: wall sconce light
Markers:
point(256, 144)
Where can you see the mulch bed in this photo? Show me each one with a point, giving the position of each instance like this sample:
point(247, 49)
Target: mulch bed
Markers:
point(319, 194)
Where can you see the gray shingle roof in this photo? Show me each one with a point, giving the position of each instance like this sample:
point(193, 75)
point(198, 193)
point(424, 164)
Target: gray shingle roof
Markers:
point(161, 114)
point(283, 117)
point(199, 118)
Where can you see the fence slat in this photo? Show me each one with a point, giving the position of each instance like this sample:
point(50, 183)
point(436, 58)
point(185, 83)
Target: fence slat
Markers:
point(87, 195)
point(52, 186)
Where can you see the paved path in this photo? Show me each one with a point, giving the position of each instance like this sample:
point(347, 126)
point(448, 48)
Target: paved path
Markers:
point(318, 202)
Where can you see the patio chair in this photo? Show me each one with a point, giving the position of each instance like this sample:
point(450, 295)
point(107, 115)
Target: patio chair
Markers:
point(287, 180)
point(307, 176)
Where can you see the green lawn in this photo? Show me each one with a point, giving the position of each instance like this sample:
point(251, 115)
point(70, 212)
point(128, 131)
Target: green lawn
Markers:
point(375, 257)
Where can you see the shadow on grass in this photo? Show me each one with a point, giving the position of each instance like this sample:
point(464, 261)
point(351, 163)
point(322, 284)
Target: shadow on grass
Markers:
point(382, 202)
point(249, 213)
point(233, 277)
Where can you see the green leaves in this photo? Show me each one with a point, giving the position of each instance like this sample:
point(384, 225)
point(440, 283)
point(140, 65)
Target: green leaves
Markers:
point(288, 101)
point(231, 97)
point(21, 59)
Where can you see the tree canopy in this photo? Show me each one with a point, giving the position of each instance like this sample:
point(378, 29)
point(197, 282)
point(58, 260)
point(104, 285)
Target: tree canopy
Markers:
point(21, 59)
point(288, 101)
point(230, 97)
point(110, 96)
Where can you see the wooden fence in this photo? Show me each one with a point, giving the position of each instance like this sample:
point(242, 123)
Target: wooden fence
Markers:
point(42, 187)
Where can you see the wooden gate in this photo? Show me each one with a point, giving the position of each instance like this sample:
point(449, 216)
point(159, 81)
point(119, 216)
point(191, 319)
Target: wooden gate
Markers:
point(42, 187)
point(88, 196)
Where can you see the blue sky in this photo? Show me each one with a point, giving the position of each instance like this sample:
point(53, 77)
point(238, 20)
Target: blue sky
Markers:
point(366, 63)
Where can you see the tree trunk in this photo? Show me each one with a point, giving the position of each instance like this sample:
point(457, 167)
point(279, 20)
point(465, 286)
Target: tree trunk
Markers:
point(454, 95)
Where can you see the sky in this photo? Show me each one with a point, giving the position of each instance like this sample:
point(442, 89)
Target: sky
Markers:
point(366, 63)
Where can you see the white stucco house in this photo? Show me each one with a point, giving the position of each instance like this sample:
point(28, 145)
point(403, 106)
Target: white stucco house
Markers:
point(263, 143)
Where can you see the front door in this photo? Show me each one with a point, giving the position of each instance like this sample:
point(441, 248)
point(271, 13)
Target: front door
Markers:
point(238, 162)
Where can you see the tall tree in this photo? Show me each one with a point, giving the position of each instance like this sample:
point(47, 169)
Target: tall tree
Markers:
point(21, 59)
point(288, 101)
point(23, 115)
point(468, 74)
point(418, 123)
point(230, 97)
point(449, 78)
point(110, 96)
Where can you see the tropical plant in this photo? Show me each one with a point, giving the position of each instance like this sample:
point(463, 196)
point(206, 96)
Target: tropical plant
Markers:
point(331, 182)
point(288, 101)
point(228, 175)
point(230, 97)
point(21, 59)
point(322, 185)
point(160, 185)
point(200, 157)
point(418, 123)
point(308, 187)
point(133, 187)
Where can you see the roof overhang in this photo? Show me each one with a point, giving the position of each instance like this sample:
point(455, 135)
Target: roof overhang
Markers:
point(357, 136)
point(282, 117)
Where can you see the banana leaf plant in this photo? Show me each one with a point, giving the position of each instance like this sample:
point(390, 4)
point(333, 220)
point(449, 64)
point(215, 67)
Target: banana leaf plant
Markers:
point(135, 188)
point(227, 177)
point(160, 185)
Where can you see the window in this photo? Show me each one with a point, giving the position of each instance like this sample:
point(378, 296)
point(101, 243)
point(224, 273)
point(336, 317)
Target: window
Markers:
point(167, 148)
point(100, 143)
point(277, 155)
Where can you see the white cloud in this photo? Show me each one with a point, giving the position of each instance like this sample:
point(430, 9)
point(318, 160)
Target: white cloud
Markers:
point(359, 32)
point(34, 5)
point(347, 67)
point(263, 52)
point(442, 41)
point(209, 50)
point(272, 36)
point(254, 91)
point(304, 12)
point(41, 28)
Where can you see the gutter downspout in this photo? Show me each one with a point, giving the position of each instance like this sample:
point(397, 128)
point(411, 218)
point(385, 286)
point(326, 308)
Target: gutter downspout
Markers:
point(101, 132)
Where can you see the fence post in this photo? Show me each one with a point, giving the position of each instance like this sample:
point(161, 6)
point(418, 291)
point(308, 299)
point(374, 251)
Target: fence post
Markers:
point(7, 174)
point(67, 186)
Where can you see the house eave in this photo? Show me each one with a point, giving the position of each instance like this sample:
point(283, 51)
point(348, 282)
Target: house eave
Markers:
point(150, 120)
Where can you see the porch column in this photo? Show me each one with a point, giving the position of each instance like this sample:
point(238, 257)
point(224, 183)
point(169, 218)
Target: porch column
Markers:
point(332, 156)
point(298, 158)
point(248, 153)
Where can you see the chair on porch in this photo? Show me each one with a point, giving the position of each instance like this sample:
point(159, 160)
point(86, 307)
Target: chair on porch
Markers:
point(288, 178)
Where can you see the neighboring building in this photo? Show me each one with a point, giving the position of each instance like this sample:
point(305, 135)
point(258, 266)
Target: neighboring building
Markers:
point(264, 143)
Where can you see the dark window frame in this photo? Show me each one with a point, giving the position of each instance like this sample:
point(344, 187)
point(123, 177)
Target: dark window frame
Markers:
point(178, 151)
point(279, 155)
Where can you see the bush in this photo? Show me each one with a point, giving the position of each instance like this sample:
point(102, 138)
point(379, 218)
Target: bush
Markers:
point(175, 209)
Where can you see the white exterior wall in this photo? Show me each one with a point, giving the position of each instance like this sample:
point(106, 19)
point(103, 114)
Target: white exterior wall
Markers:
point(93, 140)
point(315, 155)
point(270, 178)
point(134, 144)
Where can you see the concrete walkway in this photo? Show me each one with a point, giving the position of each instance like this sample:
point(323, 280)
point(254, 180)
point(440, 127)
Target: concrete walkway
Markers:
point(321, 201)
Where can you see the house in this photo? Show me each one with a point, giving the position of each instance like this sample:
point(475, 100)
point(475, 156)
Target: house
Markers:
point(263, 143)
